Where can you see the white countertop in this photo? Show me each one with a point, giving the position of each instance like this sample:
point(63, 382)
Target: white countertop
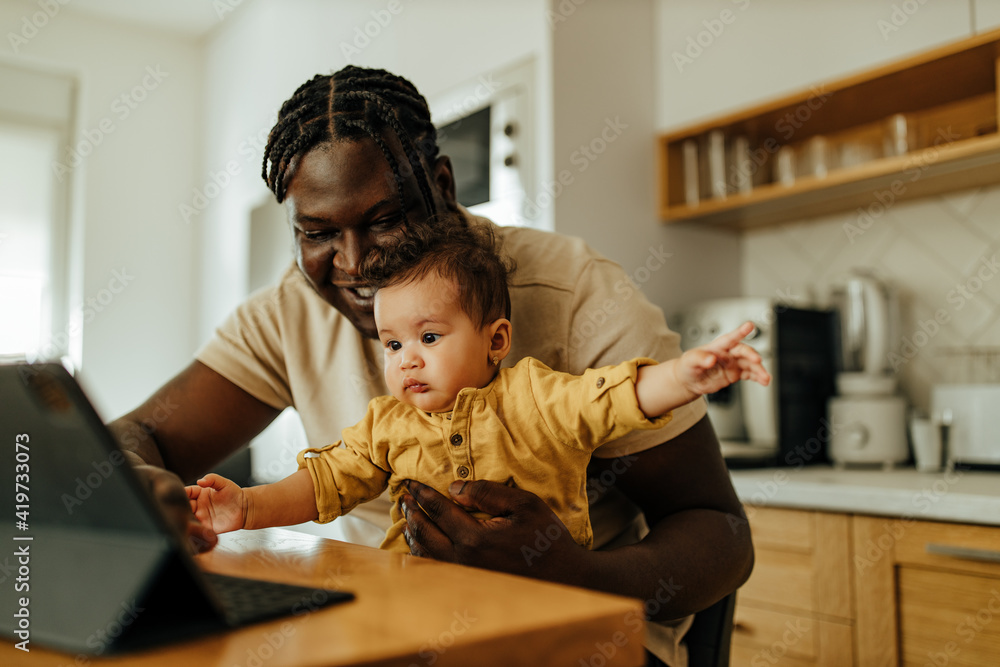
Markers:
point(961, 497)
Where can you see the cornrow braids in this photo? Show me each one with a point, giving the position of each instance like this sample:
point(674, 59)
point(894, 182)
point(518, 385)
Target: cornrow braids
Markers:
point(352, 104)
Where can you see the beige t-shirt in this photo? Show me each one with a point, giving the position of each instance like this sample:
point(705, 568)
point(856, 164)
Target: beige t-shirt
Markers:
point(571, 308)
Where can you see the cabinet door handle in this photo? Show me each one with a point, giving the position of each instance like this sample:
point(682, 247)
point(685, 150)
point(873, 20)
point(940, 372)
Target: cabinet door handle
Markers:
point(963, 553)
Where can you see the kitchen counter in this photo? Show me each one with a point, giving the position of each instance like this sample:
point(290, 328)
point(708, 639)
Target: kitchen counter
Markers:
point(957, 496)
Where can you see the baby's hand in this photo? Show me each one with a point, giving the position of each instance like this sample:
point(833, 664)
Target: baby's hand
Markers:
point(711, 367)
point(218, 503)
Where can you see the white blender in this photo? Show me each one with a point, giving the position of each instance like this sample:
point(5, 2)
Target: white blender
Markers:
point(867, 417)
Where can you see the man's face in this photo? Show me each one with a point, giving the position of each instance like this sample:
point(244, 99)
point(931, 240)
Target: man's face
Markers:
point(342, 202)
point(431, 348)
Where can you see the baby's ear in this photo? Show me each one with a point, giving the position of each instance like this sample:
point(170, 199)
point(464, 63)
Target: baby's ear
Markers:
point(500, 333)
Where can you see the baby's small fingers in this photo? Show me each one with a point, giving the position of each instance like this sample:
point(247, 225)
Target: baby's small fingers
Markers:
point(744, 351)
point(213, 481)
point(728, 340)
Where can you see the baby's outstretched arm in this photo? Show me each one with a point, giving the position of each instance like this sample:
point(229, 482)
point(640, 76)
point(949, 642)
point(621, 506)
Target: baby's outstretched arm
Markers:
point(699, 371)
point(224, 506)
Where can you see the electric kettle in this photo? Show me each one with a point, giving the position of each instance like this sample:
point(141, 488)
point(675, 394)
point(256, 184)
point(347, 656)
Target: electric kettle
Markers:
point(866, 310)
point(869, 418)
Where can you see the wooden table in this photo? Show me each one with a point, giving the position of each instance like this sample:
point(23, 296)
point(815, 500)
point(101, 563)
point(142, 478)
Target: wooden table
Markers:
point(408, 611)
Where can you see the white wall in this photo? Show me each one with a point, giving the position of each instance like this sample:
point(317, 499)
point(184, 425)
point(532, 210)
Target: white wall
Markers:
point(605, 83)
point(264, 50)
point(131, 184)
point(774, 47)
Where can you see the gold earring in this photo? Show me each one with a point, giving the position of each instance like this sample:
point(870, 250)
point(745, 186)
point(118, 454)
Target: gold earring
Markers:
point(496, 362)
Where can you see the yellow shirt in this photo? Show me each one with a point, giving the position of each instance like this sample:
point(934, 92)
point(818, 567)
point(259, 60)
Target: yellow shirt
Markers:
point(532, 427)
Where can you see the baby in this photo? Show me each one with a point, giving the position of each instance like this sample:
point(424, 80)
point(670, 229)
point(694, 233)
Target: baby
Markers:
point(442, 310)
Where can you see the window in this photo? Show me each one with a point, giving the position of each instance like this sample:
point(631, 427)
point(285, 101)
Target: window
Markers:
point(35, 113)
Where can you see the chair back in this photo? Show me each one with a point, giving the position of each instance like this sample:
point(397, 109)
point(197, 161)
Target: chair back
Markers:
point(710, 634)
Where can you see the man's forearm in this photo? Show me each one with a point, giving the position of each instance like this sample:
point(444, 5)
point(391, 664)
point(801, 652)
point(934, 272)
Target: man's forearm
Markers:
point(686, 562)
point(138, 443)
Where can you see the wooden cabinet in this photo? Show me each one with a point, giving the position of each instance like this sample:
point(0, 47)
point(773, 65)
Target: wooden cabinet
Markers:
point(841, 590)
point(921, 126)
point(928, 593)
point(797, 608)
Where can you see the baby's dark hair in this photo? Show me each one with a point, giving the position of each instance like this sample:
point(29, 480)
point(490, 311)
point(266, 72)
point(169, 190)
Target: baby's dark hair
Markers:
point(467, 254)
point(352, 104)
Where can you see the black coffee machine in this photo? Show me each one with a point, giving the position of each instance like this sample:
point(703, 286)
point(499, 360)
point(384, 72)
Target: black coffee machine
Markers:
point(785, 423)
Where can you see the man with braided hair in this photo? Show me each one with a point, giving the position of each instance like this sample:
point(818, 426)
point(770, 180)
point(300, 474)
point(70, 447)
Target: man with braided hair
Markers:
point(353, 157)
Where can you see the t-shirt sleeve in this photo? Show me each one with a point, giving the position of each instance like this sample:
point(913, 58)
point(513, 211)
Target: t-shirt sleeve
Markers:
point(592, 408)
point(247, 350)
point(612, 321)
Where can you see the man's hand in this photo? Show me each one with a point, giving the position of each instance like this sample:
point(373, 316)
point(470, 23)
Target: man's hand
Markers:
point(168, 491)
point(218, 503)
point(523, 536)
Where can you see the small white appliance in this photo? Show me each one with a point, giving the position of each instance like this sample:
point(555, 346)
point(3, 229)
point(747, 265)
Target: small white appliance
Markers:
point(867, 418)
point(969, 416)
point(868, 429)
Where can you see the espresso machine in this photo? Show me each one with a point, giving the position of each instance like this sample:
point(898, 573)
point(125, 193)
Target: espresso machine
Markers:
point(783, 424)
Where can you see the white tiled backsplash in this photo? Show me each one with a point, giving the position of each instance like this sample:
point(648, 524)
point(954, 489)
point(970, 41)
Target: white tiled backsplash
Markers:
point(939, 253)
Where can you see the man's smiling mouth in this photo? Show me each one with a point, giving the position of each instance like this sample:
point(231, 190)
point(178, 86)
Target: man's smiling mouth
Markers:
point(363, 291)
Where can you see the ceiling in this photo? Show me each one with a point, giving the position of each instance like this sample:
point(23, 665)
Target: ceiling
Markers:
point(192, 18)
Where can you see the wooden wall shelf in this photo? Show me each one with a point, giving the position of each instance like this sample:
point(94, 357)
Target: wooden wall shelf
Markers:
point(947, 99)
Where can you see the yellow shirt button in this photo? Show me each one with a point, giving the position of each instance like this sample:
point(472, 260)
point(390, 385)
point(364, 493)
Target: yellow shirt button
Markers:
point(463, 472)
point(600, 382)
point(456, 439)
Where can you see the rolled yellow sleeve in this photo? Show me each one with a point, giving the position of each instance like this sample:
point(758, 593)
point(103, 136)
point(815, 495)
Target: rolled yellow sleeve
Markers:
point(342, 477)
point(613, 390)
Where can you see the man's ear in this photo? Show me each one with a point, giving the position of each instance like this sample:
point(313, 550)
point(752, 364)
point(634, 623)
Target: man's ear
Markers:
point(500, 339)
point(444, 178)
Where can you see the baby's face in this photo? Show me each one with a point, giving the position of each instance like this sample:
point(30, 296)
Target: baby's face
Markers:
point(431, 348)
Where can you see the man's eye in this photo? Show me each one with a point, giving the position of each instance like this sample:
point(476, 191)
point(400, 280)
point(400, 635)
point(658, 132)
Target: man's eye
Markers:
point(430, 338)
point(394, 345)
point(387, 223)
point(319, 234)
